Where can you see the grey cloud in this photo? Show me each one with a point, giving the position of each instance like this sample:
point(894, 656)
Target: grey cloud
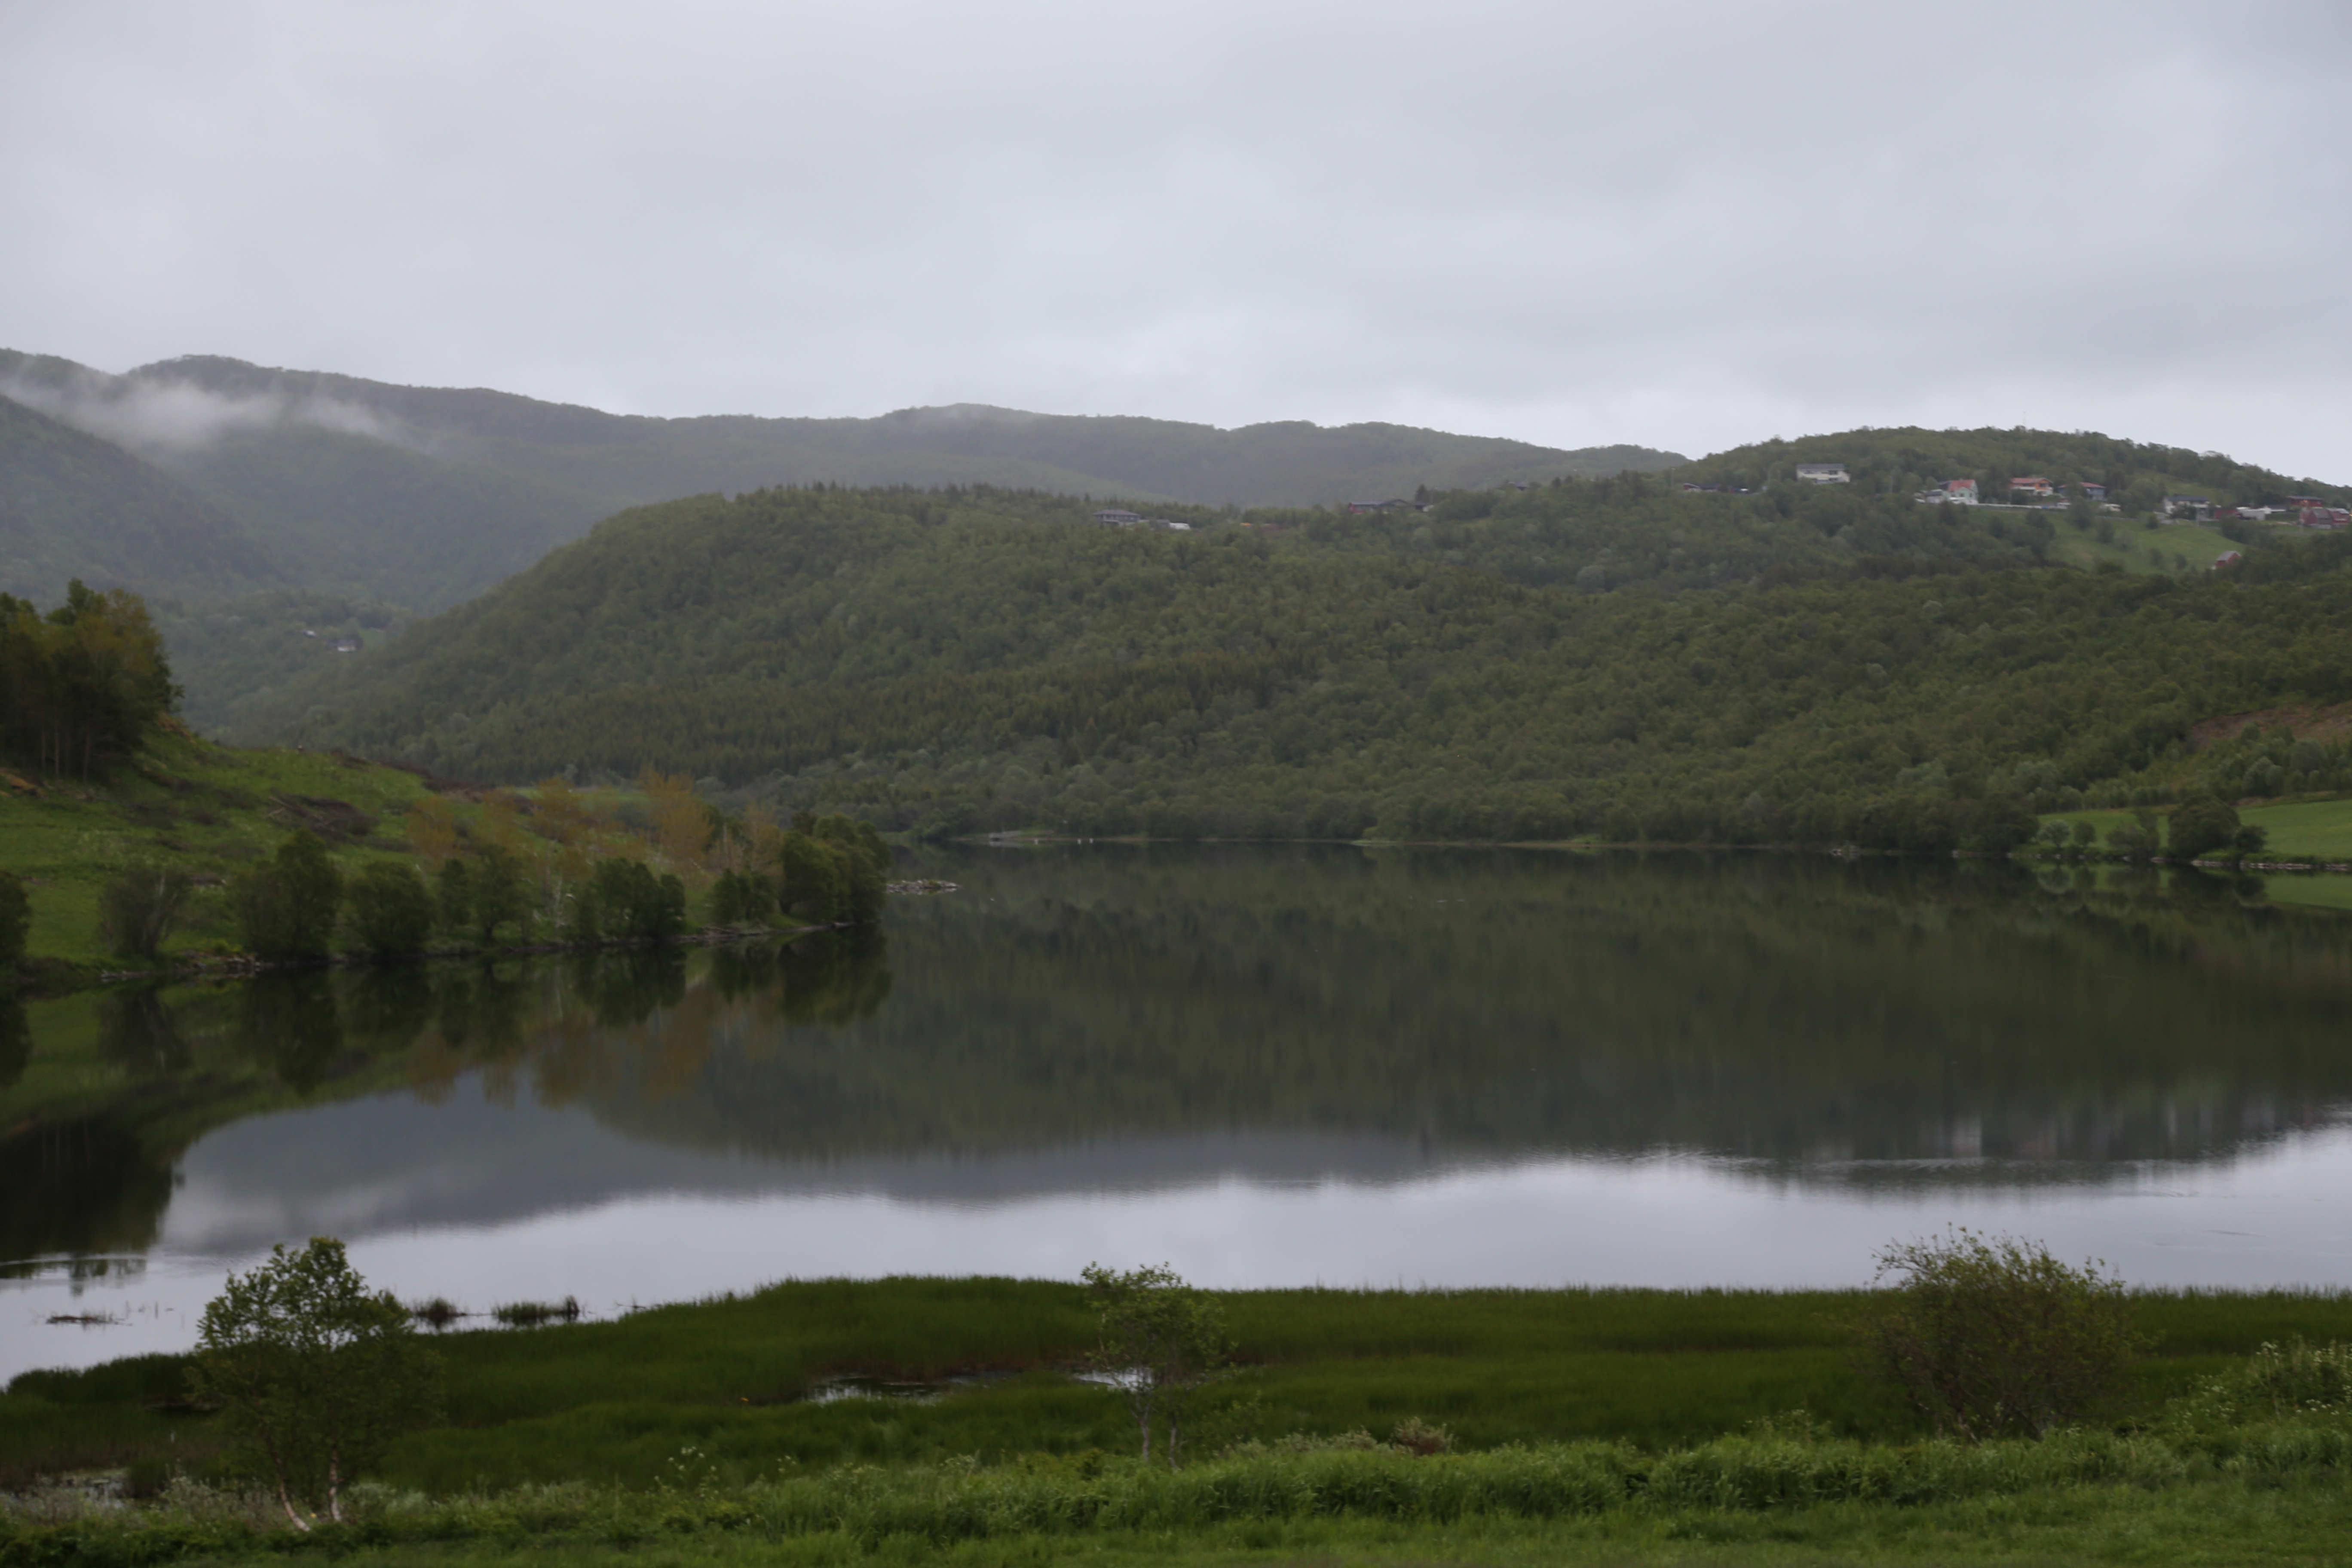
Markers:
point(155, 412)
point(1687, 224)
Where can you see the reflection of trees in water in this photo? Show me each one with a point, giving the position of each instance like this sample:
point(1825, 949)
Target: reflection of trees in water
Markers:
point(292, 1022)
point(625, 989)
point(1816, 1017)
point(139, 1032)
point(1784, 1009)
point(85, 1177)
point(384, 1008)
point(832, 978)
point(75, 1186)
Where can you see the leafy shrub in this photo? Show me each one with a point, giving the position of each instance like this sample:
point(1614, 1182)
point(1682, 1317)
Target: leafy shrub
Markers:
point(312, 1374)
point(453, 899)
point(285, 909)
point(624, 900)
point(739, 899)
point(137, 910)
point(1996, 1337)
point(1162, 1342)
point(391, 908)
point(2298, 1382)
point(832, 869)
point(498, 893)
point(2200, 828)
point(1417, 1437)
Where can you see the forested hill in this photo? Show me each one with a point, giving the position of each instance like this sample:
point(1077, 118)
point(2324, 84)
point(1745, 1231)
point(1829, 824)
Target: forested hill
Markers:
point(2136, 476)
point(425, 496)
point(1810, 665)
point(72, 506)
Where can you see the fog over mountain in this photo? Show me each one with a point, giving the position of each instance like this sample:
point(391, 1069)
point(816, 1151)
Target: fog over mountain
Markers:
point(1683, 226)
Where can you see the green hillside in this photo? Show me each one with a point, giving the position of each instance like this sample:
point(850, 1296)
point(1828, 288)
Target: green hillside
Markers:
point(1864, 668)
point(74, 506)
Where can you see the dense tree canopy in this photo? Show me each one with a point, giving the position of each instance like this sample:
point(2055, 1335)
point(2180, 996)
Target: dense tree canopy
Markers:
point(79, 687)
point(1615, 657)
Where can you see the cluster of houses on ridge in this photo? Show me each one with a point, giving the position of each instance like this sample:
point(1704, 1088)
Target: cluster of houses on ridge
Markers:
point(2039, 493)
point(2309, 511)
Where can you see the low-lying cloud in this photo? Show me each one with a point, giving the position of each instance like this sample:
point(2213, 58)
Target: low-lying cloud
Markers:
point(157, 413)
point(1687, 224)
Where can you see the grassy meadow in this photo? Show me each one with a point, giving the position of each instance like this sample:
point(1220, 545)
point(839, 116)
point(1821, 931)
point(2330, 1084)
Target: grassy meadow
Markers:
point(213, 811)
point(2174, 547)
point(2302, 830)
point(1586, 1426)
point(210, 809)
point(615, 1403)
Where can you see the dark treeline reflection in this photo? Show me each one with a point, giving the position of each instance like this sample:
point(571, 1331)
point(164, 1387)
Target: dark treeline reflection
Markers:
point(1876, 1022)
point(1491, 1004)
point(86, 1151)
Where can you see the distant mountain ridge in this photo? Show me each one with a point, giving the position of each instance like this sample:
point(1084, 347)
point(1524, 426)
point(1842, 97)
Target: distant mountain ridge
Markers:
point(74, 506)
point(425, 495)
point(252, 504)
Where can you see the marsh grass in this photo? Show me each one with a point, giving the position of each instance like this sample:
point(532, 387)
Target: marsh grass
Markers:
point(612, 1402)
point(534, 1314)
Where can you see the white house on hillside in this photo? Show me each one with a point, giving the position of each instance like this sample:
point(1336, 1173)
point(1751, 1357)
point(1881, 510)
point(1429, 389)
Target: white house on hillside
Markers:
point(1823, 473)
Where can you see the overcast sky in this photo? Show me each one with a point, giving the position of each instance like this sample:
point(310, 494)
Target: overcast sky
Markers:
point(1682, 225)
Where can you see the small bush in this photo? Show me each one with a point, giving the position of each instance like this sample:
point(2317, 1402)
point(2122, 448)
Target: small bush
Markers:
point(285, 909)
point(137, 910)
point(391, 910)
point(1996, 1337)
point(2200, 827)
point(1417, 1437)
point(2297, 1383)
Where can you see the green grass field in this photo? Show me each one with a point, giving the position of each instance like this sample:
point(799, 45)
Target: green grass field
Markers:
point(614, 1403)
point(2313, 829)
point(1741, 1504)
point(1589, 1426)
point(2176, 547)
point(2317, 828)
point(207, 808)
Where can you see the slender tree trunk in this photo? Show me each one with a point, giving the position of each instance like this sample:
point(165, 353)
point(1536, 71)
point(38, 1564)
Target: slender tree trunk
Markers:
point(284, 1493)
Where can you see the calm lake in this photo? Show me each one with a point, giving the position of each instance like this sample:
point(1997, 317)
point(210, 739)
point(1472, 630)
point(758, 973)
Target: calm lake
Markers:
point(1262, 1064)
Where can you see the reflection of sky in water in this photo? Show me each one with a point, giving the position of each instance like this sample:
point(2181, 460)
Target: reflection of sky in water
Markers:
point(485, 1202)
